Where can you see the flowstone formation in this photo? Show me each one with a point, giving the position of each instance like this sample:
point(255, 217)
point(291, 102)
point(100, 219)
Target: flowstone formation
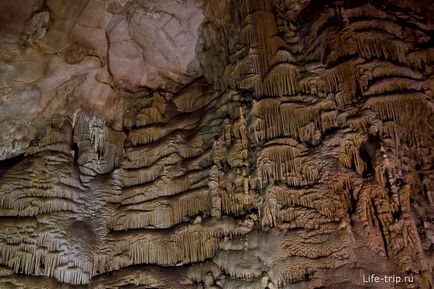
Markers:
point(216, 144)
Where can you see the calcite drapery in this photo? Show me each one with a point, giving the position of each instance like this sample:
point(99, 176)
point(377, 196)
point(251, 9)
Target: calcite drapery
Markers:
point(216, 144)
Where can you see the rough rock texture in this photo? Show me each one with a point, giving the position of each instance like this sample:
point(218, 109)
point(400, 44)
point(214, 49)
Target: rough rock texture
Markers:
point(216, 144)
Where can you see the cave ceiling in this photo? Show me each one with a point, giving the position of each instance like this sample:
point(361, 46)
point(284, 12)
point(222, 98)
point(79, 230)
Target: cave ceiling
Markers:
point(210, 144)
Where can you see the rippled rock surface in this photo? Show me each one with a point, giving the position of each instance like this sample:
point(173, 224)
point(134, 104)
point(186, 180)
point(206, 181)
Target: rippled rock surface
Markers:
point(216, 144)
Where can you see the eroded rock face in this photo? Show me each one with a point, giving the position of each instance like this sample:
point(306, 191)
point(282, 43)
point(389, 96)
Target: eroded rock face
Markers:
point(216, 144)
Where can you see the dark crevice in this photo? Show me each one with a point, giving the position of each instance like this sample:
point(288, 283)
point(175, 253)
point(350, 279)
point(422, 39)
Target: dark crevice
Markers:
point(7, 164)
point(367, 152)
point(396, 215)
point(74, 148)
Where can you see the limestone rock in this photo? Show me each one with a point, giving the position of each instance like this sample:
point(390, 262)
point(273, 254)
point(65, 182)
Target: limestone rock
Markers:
point(216, 144)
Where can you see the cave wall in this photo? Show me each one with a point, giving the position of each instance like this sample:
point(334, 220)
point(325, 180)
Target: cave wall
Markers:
point(216, 144)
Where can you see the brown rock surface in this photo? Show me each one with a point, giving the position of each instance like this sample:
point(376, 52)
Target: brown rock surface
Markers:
point(216, 144)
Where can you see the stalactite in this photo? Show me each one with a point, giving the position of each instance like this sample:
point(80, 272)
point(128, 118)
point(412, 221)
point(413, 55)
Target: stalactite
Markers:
point(383, 25)
point(193, 98)
point(165, 186)
point(243, 74)
point(141, 176)
point(287, 119)
point(282, 56)
point(163, 213)
point(421, 59)
point(215, 191)
point(188, 244)
point(352, 159)
point(281, 80)
point(369, 46)
point(275, 165)
point(390, 107)
point(394, 85)
point(366, 11)
point(219, 12)
point(264, 144)
point(342, 77)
